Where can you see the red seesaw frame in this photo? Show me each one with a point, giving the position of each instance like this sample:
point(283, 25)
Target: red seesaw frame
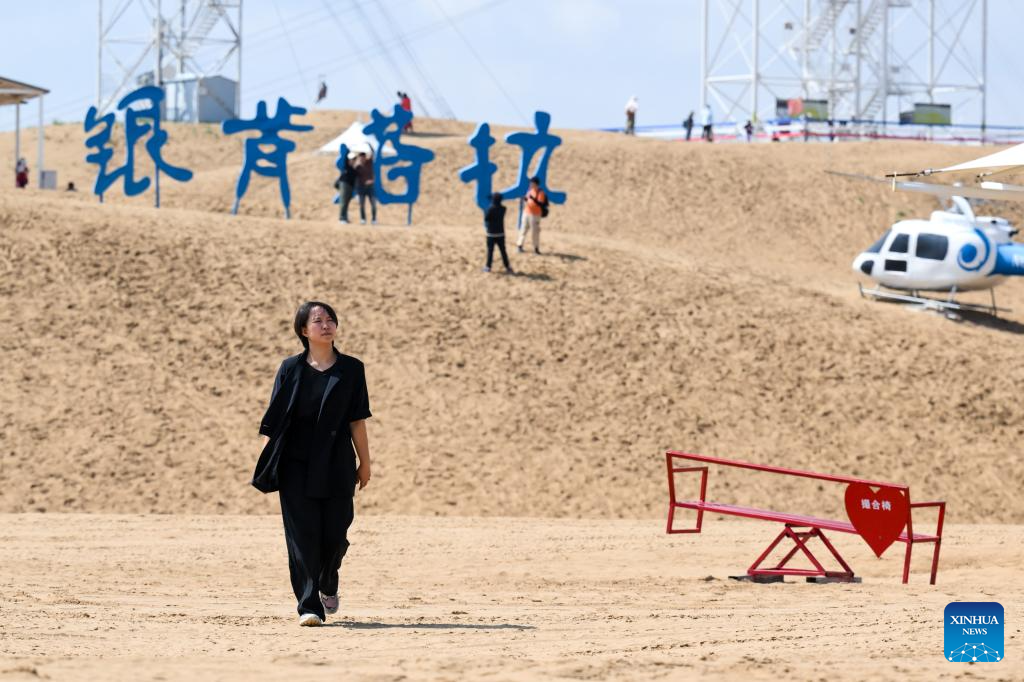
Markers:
point(813, 525)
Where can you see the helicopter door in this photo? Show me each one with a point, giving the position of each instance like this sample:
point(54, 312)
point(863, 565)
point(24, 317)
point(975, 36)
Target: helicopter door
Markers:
point(896, 258)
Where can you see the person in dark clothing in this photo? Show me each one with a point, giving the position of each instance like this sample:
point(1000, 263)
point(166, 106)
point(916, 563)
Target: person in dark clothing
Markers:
point(317, 415)
point(345, 184)
point(688, 125)
point(364, 187)
point(494, 225)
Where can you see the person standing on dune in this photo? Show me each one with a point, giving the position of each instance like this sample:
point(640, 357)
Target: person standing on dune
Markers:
point(346, 185)
point(21, 174)
point(707, 122)
point(536, 207)
point(688, 125)
point(405, 102)
point(317, 415)
point(494, 226)
point(364, 187)
point(632, 106)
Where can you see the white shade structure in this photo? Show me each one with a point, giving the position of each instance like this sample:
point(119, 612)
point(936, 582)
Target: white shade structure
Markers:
point(1007, 160)
point(18, 93)
point(1002, 161)
point(357, 141)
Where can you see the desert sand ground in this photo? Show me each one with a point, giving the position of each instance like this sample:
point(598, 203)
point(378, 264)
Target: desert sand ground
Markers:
point(695, 297)
point(168, 597)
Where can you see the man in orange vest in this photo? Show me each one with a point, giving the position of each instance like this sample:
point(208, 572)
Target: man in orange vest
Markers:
point(536, 207)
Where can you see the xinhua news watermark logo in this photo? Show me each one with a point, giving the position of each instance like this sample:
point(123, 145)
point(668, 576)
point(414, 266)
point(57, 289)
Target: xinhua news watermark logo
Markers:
point(973, 632)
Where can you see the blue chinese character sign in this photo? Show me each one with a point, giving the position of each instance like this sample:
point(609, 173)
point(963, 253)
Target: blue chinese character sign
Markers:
point(529, 144)
point(389, 129)
point(272, 163)
point(139, 122)
point(482, 170)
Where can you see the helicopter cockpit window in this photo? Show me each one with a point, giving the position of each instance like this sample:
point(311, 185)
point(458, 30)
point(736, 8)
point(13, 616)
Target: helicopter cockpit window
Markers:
point(933, 246)
point(896, 265)
point(900, 243)
point(877, 246)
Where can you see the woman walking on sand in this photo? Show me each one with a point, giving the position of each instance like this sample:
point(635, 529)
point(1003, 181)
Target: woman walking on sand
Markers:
point(317, 413)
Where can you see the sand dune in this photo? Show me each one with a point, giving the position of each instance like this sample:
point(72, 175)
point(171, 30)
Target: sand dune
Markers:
point(694, 297)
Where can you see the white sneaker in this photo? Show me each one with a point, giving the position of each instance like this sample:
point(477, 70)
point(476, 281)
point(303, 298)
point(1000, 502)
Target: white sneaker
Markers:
point(310, 620)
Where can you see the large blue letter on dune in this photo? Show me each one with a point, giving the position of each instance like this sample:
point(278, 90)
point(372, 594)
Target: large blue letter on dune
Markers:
point(276, 165)
point(138, 122)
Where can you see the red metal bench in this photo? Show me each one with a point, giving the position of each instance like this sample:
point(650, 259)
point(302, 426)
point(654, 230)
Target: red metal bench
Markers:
point(813, 526)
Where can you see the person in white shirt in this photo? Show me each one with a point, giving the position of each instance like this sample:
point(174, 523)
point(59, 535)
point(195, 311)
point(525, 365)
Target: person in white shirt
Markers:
point(706, 121)
point(631, 108)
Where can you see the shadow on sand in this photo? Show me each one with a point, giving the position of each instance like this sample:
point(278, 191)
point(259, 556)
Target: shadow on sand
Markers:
point(535, 276)
point(567, 257)
point(356, 625)
point(989, 321)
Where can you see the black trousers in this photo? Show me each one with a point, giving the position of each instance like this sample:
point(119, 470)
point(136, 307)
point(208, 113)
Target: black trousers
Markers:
point(500, 243)
point(316, 531)
point(366, 192)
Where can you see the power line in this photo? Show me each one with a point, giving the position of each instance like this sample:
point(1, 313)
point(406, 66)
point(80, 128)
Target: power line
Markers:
point(367, 63)
point(432, 91)
point(379, 43)
point(291, 47)
point(480, 61)
point(415, 34)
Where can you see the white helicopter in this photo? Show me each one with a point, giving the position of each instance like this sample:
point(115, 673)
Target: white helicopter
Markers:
point(953, 251)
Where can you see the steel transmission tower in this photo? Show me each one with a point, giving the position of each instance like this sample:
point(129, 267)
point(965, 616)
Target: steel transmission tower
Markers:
point(157, 41)
point(855, 54)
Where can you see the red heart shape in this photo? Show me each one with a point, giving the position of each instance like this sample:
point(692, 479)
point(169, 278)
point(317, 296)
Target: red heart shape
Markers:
point(879, 517)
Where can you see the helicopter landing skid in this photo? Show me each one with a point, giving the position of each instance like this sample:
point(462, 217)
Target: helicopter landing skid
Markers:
point(949, 306)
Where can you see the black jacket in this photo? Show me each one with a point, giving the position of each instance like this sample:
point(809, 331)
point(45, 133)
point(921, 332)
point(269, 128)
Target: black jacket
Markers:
point(348, 176)
point(331, 467)
point(494, 220)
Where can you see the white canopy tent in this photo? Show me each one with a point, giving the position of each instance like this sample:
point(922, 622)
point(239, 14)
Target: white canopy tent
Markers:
point(18, 93)
point(1002, 161)
point(356, 140)
point(1007, 160)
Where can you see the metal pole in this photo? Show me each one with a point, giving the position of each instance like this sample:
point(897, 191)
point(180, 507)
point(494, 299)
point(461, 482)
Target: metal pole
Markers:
point(832, 71)
point(181, 41)
point(860, 49)
point(803, 53)
point(158, 78)
point(704, 55)
point(884, 85)
point(984, 64)
point(238, 85)
point(756, 72)
point(99, 54)
point(931, 51)
point(17, 135)
point(41, 138)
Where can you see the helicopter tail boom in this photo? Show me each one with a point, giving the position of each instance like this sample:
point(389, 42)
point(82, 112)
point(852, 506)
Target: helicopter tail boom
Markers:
point(1009, 259)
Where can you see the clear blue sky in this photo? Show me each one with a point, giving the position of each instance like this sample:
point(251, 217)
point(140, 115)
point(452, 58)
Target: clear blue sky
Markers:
point(578, 59)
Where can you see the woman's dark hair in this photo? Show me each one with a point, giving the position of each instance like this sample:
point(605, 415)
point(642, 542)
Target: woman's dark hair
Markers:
point(302, 318)
point(496, 198)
